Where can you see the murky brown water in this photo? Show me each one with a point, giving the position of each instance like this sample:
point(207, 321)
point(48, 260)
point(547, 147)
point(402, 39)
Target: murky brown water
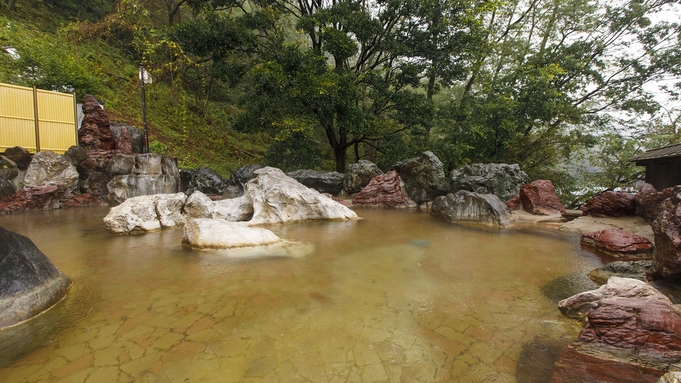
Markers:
point(395, 297)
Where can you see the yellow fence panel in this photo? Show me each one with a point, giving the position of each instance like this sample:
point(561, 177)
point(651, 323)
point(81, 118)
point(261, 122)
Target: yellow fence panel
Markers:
point(56, 128)
point(17, 118)
point(56, 118)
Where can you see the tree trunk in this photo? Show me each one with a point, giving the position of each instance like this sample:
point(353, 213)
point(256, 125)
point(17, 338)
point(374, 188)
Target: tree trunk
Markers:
point(339, 154)
point(10, 4)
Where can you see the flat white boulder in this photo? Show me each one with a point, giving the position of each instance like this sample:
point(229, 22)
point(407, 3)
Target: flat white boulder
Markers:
point(278, 198)
point(206, 233)
point(146, 213)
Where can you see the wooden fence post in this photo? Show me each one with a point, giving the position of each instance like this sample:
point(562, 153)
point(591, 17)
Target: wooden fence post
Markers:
point(37, 122)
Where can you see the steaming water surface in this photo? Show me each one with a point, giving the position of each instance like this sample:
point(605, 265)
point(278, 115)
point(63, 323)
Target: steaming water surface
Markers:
point(395, 297)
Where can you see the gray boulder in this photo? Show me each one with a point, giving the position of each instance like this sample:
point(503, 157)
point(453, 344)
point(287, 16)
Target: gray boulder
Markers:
point(186, 176)
point(321, 181)
point(169, 166)
point(359, 175)
point(123, 187)
point(29, 282)
point(622, 269)
point(502, 180)
point(76, 155)
point(207, 181)
point(96, 184)
point(244, 174)
point(52, 168)
point(278, 198)
point(121, 164)
point(8, 169)
point(7, 188)
point(149, 163)
point(20, 156)
point(424, 177)
point(467, 207)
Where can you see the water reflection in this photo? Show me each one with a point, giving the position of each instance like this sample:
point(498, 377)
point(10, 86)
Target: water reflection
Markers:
point(394, 297)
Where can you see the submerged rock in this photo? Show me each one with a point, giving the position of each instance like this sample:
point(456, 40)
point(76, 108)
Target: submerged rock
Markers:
point(467, 207)
point(632, 334)
point(321, 181)
point(619, 243)
point(424, 177)
point(277, 198)
point(29, 282)
point(502, 180)
point(203, 233)
point(622, 269)
point(382, 191)
point(610, 204)
point(539, 197)
point(358, 175)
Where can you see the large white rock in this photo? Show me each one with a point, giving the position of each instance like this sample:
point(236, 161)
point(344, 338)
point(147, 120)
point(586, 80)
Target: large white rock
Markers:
point(277, 198)
point(146, 213)
point(51, 168)
point(205, 233)
point(236, 209)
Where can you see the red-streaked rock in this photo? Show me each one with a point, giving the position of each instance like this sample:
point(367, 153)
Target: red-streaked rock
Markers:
point(123, 143)
point(632, 333)
point(94, 132)
point(84, 199)
point(619, 243)
point(649, 201)
point(667, 229)
point(610, 204)
point(539, 197)
point(34, 198)
point(514, 203)
point(382, 190)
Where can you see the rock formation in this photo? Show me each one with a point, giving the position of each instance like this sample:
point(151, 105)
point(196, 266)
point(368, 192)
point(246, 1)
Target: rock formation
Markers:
point(52, 168)
point(622, 269)
point(46, 197)
point(125, 135)
point(146, 213)
point(609, 204)
point(619, 243)
point(94, 132)
point(202, 233)
point(539, 197)
point(20, 156)
point(278, 198)
point(502, 180)
point(424, 177)
point(468, 207)
point(382, 191)
point(514, 203)
point(359, 175)
point(150, 174)
point(207, 181)
point(321, 181)
point(632, 334)
point(6, 188)
point(236, 209)
point(667, 229)
point(29, 282)
point(649, 201)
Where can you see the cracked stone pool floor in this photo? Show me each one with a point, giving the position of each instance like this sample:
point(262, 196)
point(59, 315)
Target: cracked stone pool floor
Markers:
point(396, 297)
